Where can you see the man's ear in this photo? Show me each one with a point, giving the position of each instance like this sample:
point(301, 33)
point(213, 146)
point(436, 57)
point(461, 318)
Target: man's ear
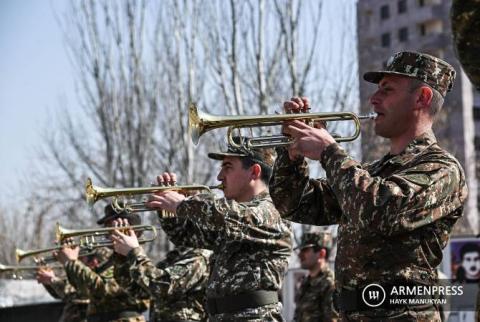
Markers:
point(256, 171)
point(323, 253)
point(425, 97)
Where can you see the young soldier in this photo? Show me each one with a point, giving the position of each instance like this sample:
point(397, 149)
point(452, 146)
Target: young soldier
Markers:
point(250, 242)
point(109, 301)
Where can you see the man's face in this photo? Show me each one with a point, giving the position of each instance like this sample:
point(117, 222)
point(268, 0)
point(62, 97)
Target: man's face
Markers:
point(471, 264)
point(235, 179)
point(393, 102)
point(308, 258)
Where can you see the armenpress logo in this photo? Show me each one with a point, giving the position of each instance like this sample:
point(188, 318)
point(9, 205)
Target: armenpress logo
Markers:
point(373, 295)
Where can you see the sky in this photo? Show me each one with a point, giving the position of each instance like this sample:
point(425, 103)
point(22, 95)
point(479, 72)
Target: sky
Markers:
point(35, 75)
point(36, 78)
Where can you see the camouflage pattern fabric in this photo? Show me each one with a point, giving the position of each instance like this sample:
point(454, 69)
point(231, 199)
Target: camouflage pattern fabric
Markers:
point(75, 309)
point(176, 284)
point(465, 17)
point(314, 299)
point(103, 289)
point(395, 215)
point(250, 242)
point(429, 69)
point(394, 316)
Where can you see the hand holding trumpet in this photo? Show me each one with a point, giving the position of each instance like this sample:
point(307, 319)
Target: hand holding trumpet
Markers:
point(168, 200)
point(307, 141)
point(126, 239)
point(67, 252)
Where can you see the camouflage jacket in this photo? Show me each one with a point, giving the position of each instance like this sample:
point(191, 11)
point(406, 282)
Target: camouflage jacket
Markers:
point(103, 289)
point(75, 309)
point(465, 26)
point(176, 285)
point(314, 298)
point(250, 241)
point(395, 215)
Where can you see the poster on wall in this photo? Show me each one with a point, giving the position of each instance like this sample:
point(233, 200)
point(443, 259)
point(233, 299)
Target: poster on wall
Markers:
point(464, 261)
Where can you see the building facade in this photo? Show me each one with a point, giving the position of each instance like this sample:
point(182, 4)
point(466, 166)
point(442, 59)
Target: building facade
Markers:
point(389, 26)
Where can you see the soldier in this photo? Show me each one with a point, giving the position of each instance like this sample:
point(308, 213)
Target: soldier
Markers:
point(75, 309)
point(465, 26)
point(109, 301)
point(250, 242)
point(314, 297)
point(176, 285)
point(396, 214)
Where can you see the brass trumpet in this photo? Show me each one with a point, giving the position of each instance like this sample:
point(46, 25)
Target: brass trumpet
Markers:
point(29, 269)
point(88, 236)
point(200, 122)
point(94, 193)
point(7, 268)
point(20, 254)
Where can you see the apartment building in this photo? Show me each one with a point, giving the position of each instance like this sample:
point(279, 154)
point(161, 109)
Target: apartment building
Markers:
point(388, 26)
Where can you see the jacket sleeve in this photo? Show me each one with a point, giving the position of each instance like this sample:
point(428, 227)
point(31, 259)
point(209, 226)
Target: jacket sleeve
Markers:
point(209, 221)
point(299, 198)
point(173, 281)
point(412, 198)
point(87, 281)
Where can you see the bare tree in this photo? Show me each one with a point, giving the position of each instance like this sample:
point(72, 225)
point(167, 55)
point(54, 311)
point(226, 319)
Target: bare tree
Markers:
point(140, 64)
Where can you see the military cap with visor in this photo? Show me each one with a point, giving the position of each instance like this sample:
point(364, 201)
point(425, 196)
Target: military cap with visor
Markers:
point(431, 70)
point(265, 156)
point(316, 239)
point(111, 214)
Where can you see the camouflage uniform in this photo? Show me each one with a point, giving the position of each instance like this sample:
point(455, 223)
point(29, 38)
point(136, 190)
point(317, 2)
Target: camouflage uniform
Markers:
point(314, 297)
point(465, 27)
point(75, 309)
point(394, 215)
point(251, 246)
point(176, 285)
point(102, 286)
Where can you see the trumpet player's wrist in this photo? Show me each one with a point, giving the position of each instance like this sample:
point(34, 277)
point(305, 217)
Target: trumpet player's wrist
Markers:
point(329, 154)
point(134, 253)
point(283, 157)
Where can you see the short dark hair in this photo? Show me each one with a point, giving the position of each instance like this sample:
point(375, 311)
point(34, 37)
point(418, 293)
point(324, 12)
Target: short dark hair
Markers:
point(266, 171)
point(469, 248)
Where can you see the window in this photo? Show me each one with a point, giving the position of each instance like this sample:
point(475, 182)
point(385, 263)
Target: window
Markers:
point(402, 6)
point(423, 29)
point(386, 40)
point(384, 12)
point(476, 114)
point(403, 34)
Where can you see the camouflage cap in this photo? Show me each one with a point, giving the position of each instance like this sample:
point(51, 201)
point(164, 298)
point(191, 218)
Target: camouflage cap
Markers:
point(429, 69)
point(111, 214)
point(265, 156)
point(320, 239)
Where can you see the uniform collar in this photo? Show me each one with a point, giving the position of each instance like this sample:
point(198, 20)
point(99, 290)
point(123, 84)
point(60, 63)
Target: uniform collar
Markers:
point(415, 147)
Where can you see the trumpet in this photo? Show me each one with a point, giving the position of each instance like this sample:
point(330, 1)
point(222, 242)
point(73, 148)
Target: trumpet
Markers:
point(200, 122)
point(88, 236)
point(20, 254)
point(94, 193)
point(29, 269)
